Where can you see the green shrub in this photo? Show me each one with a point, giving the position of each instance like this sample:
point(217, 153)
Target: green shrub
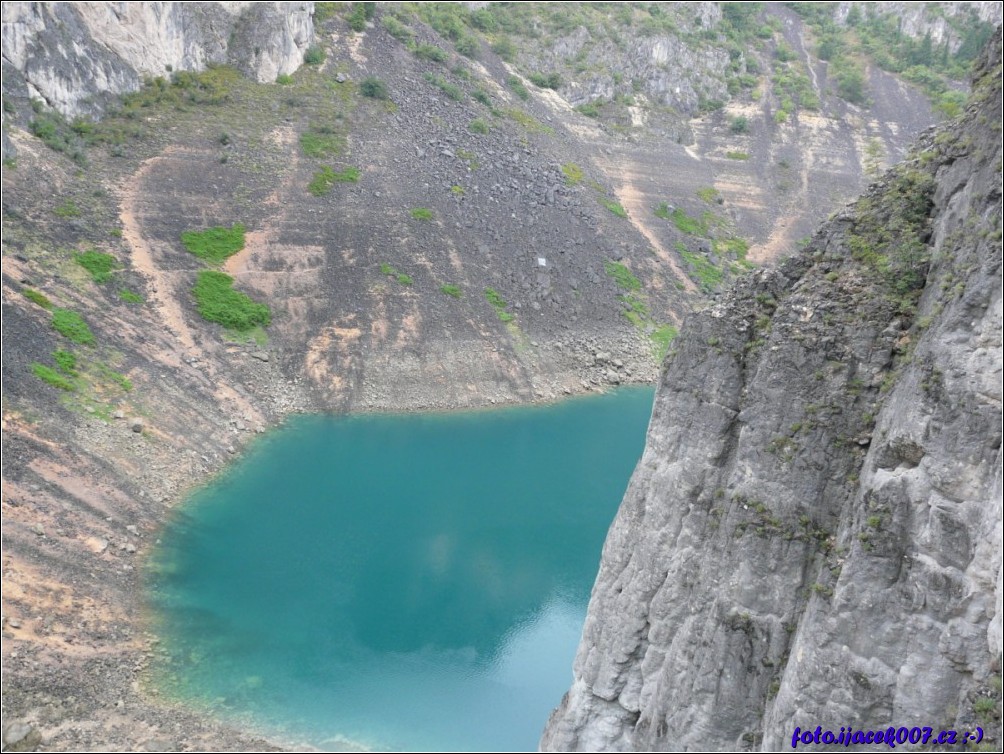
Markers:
point(614, 207)
point(130, 297)
point(739, 125)
point(373, 88)
point(37, 298)
point(357, 18)
point(422, 213)
point(66, 361)
point(590, 110)
point(99, 265)
point(662, 337)
point(479, 126)
point(326, 177)
point(573, 173)
point(737, 155)
point(622, 275)
point(284, 78)
point(451, 290)
point(546, 81)
point(402, 278)
point(480, 95)
point(214, 245)
point(431, 52)
point(499, 304)
point(468, 47)
point(314, 55)
point(396, 29)
point(686, 224)
point(505, 49)
point(67, 209)
point(708, 194)
point(322, 141)
point(51, 376)
point(217, 301)
point(450, 90)
point(517, 87)
point(528, 122)
point(71, 325)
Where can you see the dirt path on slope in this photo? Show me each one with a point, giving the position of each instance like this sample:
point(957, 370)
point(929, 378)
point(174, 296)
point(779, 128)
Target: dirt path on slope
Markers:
point(161, 286)
point(633, 202)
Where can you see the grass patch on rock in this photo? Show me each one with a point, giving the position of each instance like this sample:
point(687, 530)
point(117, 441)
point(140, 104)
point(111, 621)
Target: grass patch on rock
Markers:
point(214, 245)
point(99, 265)
point(71, 325)
point(217, 301)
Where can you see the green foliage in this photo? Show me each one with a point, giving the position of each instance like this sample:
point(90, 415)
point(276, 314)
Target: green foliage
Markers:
point(451, 289)
point(505, 49)
point(322, 140)
point(468, 47)
point(517, 87)
point(314, 55)
point(528, 122)
point(214, 245)
point(284, 78)
point(217, 301)
point(373, 88)
point(708, 194)
point(662, 337)
point(498, 303)
point(403, 279)
point(739, 125)
point(130, 297)
point(396, 29)
point(431, 52)
point(479, 126)
point(449, 89)
point(52, 377)
point(66, 361)
point(57, 134)
point(357, 18)
point(614, 207)
point(99, 265)
point(573, 173)
point(37, 298)
point(324, 11)
point(589, 109)
point(546, 80)
point(891, 238)
point(457, 190)
point(326, 177)
point(422, 213)
point(686, 224)
point(622, 275)
point(71, 325)
point(67, 209)
point(737, 155)
point(708, 275)
point(734, 246)
point(480, 95)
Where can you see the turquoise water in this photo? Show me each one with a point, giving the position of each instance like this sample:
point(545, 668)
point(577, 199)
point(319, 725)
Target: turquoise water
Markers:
point(407, 582)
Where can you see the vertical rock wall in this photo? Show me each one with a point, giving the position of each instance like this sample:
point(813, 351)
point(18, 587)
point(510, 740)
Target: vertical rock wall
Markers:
point(812, 536)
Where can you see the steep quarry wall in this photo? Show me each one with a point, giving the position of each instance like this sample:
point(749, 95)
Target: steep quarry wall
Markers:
point(76, 56)
point(812, 536)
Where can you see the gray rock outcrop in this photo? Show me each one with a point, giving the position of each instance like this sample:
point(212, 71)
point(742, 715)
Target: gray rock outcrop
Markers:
point(812, 536)
point(76, 56)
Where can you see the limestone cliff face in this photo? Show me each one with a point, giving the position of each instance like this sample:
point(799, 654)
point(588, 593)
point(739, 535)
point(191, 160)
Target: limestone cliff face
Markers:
point(75, 56)
point(812, 536)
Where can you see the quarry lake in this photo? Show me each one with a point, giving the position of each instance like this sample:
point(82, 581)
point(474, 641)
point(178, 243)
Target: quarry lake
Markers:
point(408, 582)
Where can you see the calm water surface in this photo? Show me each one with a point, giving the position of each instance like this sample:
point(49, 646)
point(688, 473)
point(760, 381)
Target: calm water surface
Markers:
point(405, 582)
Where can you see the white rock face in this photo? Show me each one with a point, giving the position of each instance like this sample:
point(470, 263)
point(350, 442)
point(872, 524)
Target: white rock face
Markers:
point(74, 56)
point(813, 534)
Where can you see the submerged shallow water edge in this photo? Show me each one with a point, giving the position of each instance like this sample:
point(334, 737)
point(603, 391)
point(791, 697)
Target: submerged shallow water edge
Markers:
point(410, 582)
